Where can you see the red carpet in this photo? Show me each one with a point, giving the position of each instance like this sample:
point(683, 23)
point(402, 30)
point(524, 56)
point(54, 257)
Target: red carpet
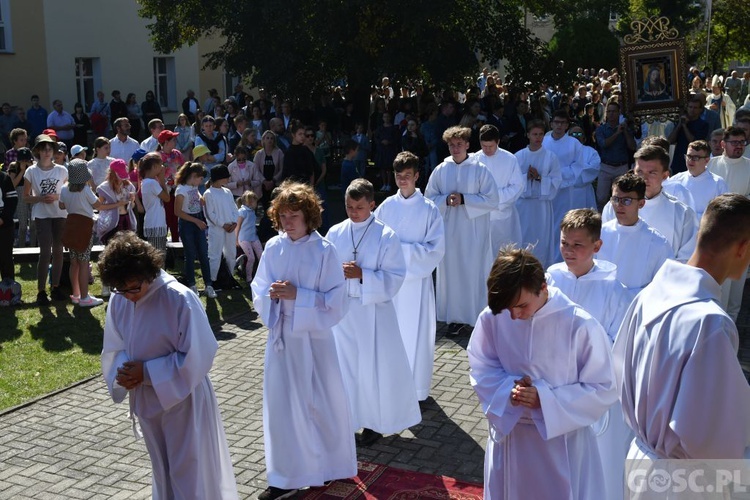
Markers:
point(379, 482)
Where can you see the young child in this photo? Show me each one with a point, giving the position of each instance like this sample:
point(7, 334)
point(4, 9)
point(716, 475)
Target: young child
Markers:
point(80, 201)
point(299, 292)
point(539, 403)
point(373, 359)
point(360, 137)
point(117, 198)
point(155, 194)
point(61, 155)
point(465, 192)
point(247, 238)
point(419, 226)
point(628, 236)
point(593, 285)
point(79, 152)
point(243, 174)
point(192, 222)
point(16, 172)
point(99, 164)
point(221, 214)
point(349, 170)
point(541, 170)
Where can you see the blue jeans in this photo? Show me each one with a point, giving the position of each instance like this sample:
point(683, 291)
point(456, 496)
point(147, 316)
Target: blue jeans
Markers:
point(194, 244)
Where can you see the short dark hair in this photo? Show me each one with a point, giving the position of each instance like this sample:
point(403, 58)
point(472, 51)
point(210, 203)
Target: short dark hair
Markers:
point(489, 133)
point(535, 124)
point(700, 146)
point(726, 221)
point(562, 114)
point(127, 257)
point(405, 160)
point(656, 140)
point(295, 126)
point(120, 121)
point(360, 188)
point(652, 152)
point(629, 182)
point(730, 131)
point(187, 169)
point(350, 145)
point(514, 270)
point(148, 162)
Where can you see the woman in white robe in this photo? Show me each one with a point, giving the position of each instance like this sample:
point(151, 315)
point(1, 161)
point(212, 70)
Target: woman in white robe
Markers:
point(161, 361)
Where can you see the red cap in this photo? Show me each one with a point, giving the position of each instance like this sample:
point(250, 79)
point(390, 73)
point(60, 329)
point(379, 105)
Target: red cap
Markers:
point(50, 132)
point(166, 135)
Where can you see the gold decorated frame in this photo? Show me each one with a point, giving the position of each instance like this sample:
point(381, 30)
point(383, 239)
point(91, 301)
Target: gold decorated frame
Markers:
point(669, 56)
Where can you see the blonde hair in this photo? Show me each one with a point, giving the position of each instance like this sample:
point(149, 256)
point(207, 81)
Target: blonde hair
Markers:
point(583, 218)
point(463, 133)
point(247, 197)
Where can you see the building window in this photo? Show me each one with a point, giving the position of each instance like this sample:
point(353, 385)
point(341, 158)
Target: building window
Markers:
point(6, 39)
point(164, 82)
point(88, 79)
point(230, 82)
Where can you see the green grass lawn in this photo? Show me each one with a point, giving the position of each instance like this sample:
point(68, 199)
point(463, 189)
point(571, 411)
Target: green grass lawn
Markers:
point(49, 348)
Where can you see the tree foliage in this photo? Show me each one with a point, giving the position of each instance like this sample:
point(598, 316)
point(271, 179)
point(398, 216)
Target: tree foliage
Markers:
point(730, 25)
point(586, 42)
point(295, 47)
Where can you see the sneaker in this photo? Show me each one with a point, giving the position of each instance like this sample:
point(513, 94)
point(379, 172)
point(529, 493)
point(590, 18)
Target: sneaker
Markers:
point(211, 294)
point(90, 301)
point(75, 299)
point(240, 261)
point(42, 299)
point(274, 493)
point(57, 294)
point(105, 291)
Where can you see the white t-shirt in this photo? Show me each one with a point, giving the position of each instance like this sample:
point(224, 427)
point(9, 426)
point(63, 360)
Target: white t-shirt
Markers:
point(155, 216)
point(99, 168)
point(45, 182)
point(191, 201)
point(80, 203)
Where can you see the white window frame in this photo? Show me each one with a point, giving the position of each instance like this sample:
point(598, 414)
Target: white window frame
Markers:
point(230, 82)
point(5, 24)
point(95, 77)
point(171, 85)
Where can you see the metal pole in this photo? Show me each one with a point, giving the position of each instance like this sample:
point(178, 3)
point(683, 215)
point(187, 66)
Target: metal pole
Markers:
point(708, 34)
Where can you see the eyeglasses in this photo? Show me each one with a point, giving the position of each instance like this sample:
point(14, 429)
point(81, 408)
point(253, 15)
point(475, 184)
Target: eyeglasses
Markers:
point(123, 291)
point(623, 200)
point(695, 157)
point(736, 143)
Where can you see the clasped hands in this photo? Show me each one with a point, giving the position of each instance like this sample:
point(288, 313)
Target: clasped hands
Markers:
point(454, 199)
point(352, 270)
point(525, 394)
point(533, 174)
point(130, 374)
point(282, 290)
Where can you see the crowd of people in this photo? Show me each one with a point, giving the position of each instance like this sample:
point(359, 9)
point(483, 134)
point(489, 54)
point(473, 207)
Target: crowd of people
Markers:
point(558, 229)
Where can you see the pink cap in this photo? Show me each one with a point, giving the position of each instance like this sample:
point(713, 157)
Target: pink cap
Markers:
point(120, 168)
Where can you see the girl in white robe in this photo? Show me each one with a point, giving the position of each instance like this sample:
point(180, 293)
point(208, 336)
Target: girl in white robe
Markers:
point(174, 402)
point(307, 429)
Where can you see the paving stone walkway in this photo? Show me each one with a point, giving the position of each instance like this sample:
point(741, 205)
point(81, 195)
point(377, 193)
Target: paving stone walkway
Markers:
point(77, 444)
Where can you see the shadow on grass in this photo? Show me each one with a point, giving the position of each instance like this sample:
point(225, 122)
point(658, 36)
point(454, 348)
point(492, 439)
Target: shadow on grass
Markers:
point(9, 329)
point(59, 330)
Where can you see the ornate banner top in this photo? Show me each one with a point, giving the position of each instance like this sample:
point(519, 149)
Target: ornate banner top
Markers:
point(651, 29)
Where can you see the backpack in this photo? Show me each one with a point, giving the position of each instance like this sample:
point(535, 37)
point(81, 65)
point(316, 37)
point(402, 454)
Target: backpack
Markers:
point(10, 292)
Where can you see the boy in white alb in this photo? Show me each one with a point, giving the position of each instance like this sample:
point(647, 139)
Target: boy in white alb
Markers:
point(734, 168)
point(637, 249)
point(675, 337)
point(673, 219)
point(703, 184)
point(542, 369)
point(465, 193)
point(592, 284)
point(419, 226)
point(505, 223)
point(221, 214)
point(373, 360)
point(541, 169)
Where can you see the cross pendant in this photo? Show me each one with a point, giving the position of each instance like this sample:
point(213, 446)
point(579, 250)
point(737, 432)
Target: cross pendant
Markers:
point(355, 254)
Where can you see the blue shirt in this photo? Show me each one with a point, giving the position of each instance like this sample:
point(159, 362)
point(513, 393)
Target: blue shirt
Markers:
point(617, 153)
point(38, 119)
point(247, 231)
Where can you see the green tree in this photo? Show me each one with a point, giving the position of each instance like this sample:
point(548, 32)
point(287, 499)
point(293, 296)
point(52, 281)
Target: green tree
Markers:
point(296, 47)
point(730, 25)
point(586, 42)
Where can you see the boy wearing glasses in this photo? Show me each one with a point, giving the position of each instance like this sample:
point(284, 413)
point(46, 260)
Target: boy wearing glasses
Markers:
point(703, 185)
point(734, 168)
point(672, 218)
point(628, 235)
